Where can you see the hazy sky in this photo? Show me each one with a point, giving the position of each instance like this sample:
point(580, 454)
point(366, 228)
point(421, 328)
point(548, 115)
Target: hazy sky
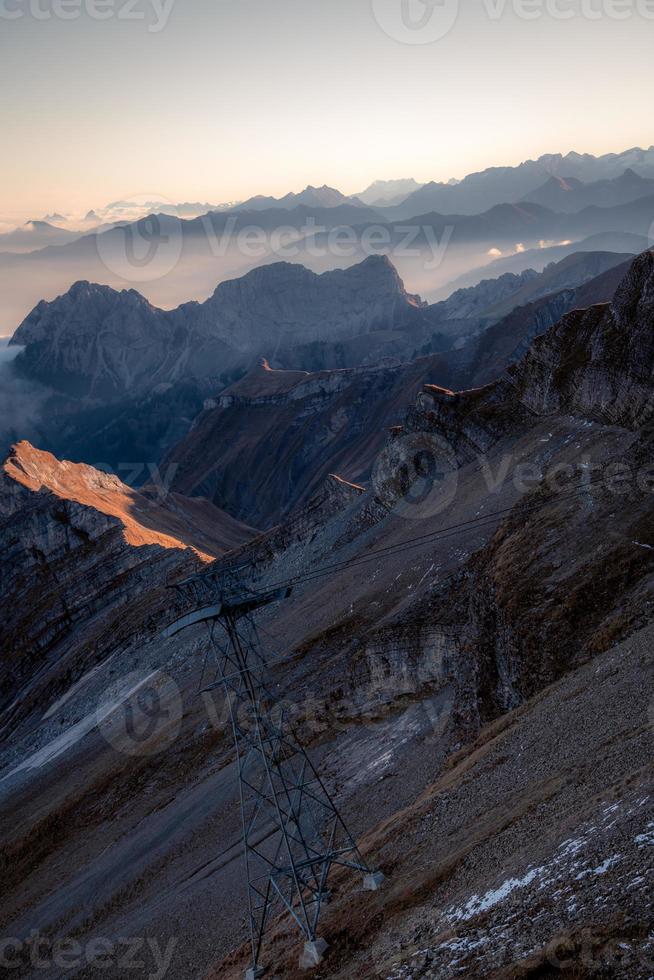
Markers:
point(235, 97)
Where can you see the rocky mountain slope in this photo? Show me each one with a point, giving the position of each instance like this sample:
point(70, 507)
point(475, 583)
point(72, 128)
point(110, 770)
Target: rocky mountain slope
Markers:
point(473, 673)
point(78, 549)
point(508, 339)
point(267, 442)
point(98, 343)
point(492, 299)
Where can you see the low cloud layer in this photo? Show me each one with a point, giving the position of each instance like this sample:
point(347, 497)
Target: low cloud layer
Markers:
point(21, 402)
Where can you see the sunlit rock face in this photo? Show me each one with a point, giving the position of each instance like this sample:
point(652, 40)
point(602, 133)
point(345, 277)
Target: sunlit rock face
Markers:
point(84, 557)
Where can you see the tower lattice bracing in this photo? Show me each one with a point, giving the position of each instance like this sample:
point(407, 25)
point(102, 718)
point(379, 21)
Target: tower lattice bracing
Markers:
point(293, 833)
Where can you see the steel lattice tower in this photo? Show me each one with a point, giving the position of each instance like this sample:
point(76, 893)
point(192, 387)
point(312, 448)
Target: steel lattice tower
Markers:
point(293, 833)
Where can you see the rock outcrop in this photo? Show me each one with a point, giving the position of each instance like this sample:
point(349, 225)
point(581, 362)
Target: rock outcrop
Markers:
point(599, 362)
point(79, 552)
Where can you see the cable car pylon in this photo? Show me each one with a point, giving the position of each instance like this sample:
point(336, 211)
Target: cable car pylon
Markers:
point(293, 833)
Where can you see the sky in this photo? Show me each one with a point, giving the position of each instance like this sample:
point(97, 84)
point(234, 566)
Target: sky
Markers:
point(216, 100)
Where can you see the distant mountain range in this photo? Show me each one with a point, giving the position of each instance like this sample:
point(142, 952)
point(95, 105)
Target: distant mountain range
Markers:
point(34, 235)
point(439, 233)
point(387, 192)
point(544, 181)
point(310, 197)
point(570, 194)
point(506, 185)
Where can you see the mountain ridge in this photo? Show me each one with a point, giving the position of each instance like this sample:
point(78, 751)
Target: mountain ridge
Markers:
point(61, 338)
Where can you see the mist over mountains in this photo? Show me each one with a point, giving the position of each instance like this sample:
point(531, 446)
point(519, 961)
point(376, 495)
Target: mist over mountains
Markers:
point(126, 380)
point(409, 433)
point(22, 401)
point(434, 235)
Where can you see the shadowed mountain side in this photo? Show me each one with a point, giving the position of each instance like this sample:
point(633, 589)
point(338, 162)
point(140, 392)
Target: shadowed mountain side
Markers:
point(508, 340)
point(571, 272)
point(274, 436)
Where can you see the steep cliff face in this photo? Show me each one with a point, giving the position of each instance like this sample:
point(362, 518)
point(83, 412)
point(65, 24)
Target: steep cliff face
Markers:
point(285, 306)
point(598, 362)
